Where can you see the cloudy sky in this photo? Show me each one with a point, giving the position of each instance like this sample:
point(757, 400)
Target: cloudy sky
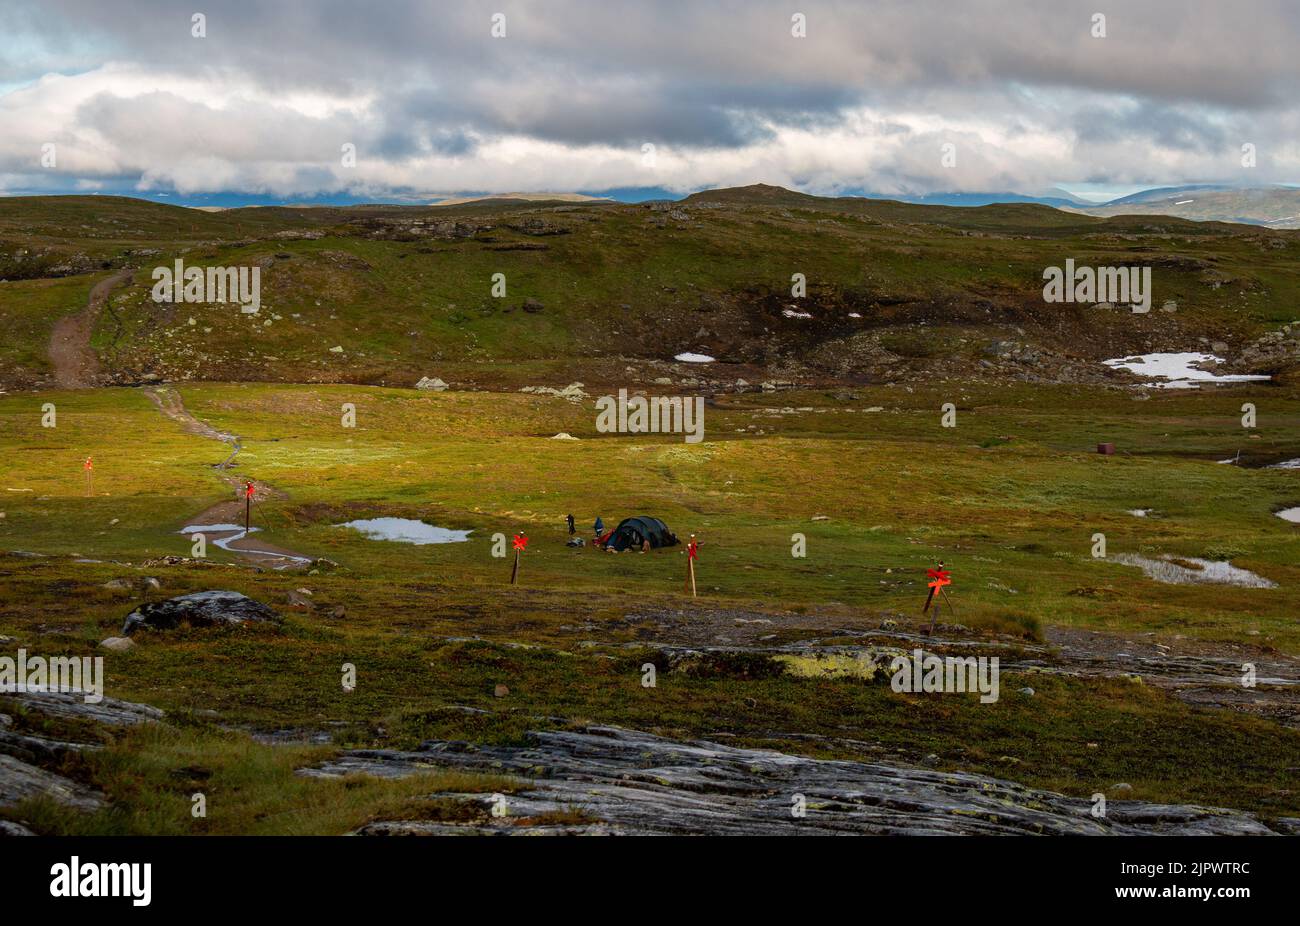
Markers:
point(674, 96)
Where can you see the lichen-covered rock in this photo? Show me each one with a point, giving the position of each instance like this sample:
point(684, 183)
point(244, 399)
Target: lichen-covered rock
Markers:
point(19, 781)
point(634, 782)
point(200, 609)
point(72, 705)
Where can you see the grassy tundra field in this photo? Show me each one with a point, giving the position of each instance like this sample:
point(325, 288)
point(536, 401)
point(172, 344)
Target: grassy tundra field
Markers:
point(845, 445)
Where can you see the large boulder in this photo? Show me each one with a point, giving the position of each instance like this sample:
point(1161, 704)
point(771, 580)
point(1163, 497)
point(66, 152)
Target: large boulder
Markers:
point(200, 609)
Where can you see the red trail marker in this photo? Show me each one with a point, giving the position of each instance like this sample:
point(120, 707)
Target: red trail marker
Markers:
point(692, 554)
point(248, 504)
point(939, 578)
point(521, 543)
point(89, 467)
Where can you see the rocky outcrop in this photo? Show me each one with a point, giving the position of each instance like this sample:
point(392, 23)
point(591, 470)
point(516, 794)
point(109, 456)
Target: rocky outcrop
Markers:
point(1276, 350)
point(29, 760)
point(571, 393)
point(630, 782)
point(20, 781)
point(72, 705)
point(199, 609)
point(133, 585)
point(38, 749)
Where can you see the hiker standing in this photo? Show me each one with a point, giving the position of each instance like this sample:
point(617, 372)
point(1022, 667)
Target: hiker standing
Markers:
point(569, 520)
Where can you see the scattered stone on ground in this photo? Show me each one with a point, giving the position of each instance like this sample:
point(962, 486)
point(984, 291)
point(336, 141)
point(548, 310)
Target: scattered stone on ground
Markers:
point(133, 586)
point(572, 392)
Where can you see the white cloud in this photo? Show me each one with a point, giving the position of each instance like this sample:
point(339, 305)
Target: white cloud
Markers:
point(727, 97)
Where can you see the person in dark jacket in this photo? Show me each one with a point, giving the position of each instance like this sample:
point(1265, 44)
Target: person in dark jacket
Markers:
point(569, 520)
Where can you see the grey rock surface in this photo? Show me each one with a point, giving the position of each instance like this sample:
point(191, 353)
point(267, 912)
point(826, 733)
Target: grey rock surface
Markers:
point(631, 782)
point(19, 781)
point(200, 609)
point(72, 705)
point(39, 749)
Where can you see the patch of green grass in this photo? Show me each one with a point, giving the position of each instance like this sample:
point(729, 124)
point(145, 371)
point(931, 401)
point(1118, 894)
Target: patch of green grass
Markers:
point(152, 775)
point(1015, 523)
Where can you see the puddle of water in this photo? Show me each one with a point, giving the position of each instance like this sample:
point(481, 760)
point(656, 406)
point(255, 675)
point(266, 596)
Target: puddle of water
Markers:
point(1139, 512)
point(1210, 572)
point(406, 530)
point(1179, 370)
point(236, 532)
point(688, 357)
point(1286, 464)
point(1289, 514)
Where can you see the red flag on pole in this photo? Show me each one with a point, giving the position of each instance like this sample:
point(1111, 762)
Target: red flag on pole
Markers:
point(939, 577)
point(692, 553)
point(521, 541)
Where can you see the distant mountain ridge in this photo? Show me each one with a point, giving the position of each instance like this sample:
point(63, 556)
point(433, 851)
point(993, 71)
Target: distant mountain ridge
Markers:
point(522, 198)
point(1271, 207)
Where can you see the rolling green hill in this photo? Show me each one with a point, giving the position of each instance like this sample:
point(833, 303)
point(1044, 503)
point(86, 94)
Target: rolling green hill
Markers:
point(388, 294)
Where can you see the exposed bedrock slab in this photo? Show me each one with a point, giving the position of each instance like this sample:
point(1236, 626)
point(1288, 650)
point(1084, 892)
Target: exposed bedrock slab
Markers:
point(32, 748)
point(73, 705)
point(19, 780)
point(630, 782)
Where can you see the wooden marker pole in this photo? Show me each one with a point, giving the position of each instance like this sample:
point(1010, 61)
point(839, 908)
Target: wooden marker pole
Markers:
point(89, 467)
point(939, 578)
point(521, 542)
point(248, 506)
point(692, 550)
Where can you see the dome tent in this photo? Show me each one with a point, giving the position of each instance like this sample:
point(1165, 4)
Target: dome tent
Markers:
point(631, 533)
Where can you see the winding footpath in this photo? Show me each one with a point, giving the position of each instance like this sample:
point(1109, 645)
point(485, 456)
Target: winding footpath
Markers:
point(222, 524)
point(77, 367)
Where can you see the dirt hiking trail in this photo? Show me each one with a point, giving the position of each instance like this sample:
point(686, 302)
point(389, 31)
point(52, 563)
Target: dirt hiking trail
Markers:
point(75, 364)
point(223, 523)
